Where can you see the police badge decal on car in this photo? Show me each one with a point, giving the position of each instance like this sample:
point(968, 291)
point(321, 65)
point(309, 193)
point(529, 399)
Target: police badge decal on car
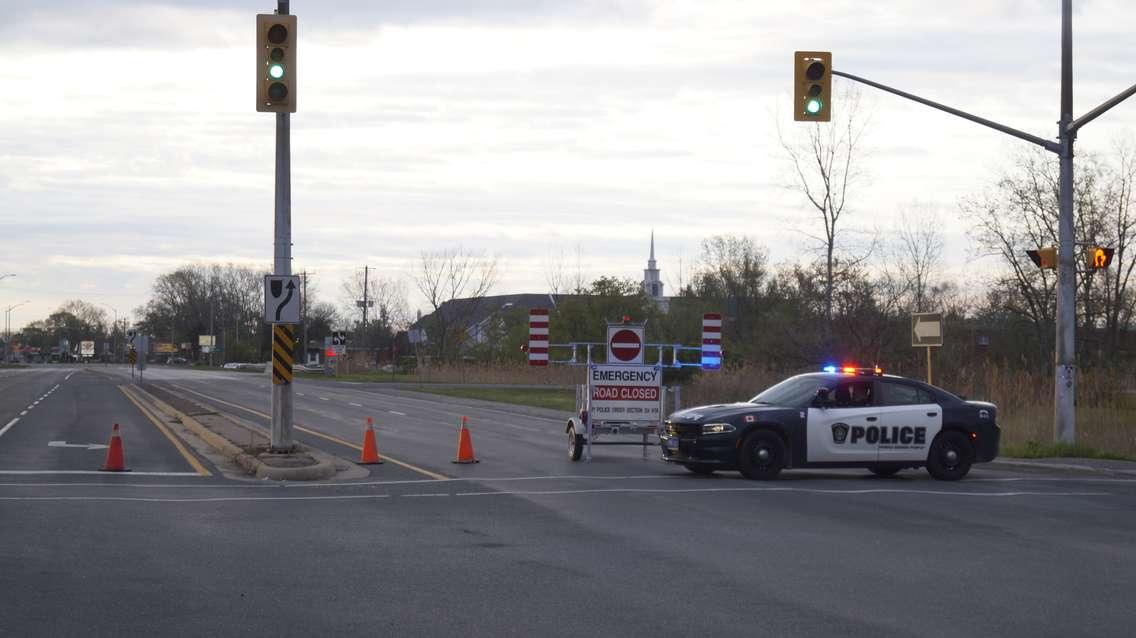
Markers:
point(839, 432)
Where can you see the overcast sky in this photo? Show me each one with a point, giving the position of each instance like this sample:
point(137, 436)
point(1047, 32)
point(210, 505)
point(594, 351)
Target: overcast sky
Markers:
point(129, 143)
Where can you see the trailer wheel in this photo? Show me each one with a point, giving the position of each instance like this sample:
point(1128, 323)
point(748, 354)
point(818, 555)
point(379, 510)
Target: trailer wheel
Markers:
point(575, 444)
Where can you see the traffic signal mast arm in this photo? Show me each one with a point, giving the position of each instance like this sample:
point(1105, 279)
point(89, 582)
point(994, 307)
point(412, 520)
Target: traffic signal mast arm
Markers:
point(1048, 145)
point(1009, 130)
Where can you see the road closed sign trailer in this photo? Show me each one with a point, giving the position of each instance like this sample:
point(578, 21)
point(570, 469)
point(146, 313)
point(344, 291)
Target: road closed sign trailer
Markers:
point(618, 399)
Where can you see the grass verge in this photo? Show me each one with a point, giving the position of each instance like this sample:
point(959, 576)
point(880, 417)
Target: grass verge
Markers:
point(553, 398)
point(1035, 450)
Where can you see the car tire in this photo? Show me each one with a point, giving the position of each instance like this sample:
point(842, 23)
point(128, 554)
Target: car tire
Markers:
point(950, 457)
point(704, 470)
point(884, 470)
point(575, 444)
point(761, 456)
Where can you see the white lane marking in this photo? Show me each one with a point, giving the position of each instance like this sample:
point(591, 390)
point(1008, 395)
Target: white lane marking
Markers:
point(397, 412)
point(87, 446)
point(68, 376)
point(358, 405)
point(349, 497)
point(275, 486)
point(210, 499)
point(324, 399)
point(24, 413)
point(301, 394)
point(421, 495)
point(634, 490)
point(37, 472)
point(9, 426)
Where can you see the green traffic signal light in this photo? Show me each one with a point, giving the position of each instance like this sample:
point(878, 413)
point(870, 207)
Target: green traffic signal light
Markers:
point(813, 106)
point(276, 71)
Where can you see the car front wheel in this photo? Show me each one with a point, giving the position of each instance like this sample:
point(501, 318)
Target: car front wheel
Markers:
point(762, 456)
point(950, 457)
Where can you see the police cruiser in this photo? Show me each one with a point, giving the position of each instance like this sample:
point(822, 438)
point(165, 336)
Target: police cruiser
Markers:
point(842, 417)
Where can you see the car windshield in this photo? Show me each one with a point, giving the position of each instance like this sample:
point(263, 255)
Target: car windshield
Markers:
point(794, 392)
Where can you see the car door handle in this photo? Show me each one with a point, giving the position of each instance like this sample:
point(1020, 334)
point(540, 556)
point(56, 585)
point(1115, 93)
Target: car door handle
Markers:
point(932, 414)
point(871, 419)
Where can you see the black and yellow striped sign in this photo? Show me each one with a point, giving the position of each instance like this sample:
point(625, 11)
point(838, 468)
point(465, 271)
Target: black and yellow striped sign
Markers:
point(282, 357)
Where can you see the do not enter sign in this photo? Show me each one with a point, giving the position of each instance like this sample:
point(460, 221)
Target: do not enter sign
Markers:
point(624, 344)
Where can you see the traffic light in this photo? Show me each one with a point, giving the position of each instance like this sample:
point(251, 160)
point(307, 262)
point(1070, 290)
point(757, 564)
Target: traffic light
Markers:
point(276, 63)
point(1099, 257)
point(812, 86)
point(1044, 257)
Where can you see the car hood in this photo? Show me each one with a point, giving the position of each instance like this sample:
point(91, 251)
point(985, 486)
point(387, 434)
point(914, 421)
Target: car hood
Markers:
point(708, 413)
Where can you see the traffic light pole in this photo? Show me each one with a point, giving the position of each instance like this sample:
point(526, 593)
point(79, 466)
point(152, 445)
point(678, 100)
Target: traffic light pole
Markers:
point(1064, 390)
point(281, 435)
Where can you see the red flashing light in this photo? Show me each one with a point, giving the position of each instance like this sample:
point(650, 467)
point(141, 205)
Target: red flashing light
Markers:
point(626, 318)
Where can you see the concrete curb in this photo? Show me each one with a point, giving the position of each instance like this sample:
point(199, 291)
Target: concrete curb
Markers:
point(1069, 467)
point(323, 469)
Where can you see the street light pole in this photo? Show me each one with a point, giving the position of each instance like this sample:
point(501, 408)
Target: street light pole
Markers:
point(8, 327)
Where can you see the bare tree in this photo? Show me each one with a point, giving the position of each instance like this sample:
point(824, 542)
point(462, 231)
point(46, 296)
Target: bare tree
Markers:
point(917, 252)
point(454, 283)
point(1020, 213)
point(823, 157)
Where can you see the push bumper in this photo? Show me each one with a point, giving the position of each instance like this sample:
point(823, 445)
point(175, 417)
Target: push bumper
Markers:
point(701, 450)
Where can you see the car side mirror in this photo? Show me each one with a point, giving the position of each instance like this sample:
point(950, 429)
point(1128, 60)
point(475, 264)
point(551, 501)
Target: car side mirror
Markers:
point(822, 398)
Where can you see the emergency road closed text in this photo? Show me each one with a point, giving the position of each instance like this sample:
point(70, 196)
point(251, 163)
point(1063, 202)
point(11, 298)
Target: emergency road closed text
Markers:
point(625, 393)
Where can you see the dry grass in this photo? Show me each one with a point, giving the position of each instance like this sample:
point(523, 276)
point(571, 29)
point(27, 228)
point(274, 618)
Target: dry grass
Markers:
point(501, 374)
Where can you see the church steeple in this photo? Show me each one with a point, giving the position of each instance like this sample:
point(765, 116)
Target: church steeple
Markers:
point(652, 285)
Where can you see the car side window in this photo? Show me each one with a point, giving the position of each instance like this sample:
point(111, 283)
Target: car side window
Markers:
point(892, 393)
point(854, 394)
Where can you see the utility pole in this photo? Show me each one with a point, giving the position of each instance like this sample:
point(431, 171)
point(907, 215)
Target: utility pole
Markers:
point(212, 338)
point(1064, 386)
point(281, 434)
point(304, 313)
point(366, 271)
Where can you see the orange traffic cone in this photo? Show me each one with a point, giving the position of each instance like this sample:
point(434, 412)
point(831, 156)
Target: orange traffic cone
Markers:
point(465, 445)
point(370, 454)
point(114, 459)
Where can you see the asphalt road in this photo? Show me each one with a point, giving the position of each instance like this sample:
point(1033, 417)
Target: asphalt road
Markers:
point(527, 543)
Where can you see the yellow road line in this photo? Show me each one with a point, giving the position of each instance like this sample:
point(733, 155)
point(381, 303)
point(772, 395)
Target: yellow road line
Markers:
point(334, 439)
point(192, 460)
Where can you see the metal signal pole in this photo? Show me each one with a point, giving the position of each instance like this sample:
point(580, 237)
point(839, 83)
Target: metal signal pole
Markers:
point(281, 435)
point(1065, 385)
point(1065, 382)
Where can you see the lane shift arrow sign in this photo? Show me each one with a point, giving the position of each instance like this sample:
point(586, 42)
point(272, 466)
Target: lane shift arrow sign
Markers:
point(291, 290)
point(89, 446)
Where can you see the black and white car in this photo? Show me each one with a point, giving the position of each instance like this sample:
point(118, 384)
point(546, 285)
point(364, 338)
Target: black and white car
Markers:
point(842, 417)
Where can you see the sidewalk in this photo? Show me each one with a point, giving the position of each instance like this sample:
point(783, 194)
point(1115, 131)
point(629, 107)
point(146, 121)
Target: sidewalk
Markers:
point(1097, 466)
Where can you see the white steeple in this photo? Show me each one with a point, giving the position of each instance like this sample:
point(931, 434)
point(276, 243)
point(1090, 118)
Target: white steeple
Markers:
point(652, 285)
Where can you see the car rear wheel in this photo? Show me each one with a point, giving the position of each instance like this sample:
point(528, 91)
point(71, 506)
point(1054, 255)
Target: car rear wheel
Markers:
point(883, 470)
point(950, 457)
point(762, 456)
point(575, 444)
point(704, 470)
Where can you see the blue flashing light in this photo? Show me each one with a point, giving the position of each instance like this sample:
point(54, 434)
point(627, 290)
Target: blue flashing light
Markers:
point(830, 369)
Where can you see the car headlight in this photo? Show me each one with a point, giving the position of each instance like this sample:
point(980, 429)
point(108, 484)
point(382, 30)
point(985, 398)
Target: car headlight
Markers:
point(717, 428)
